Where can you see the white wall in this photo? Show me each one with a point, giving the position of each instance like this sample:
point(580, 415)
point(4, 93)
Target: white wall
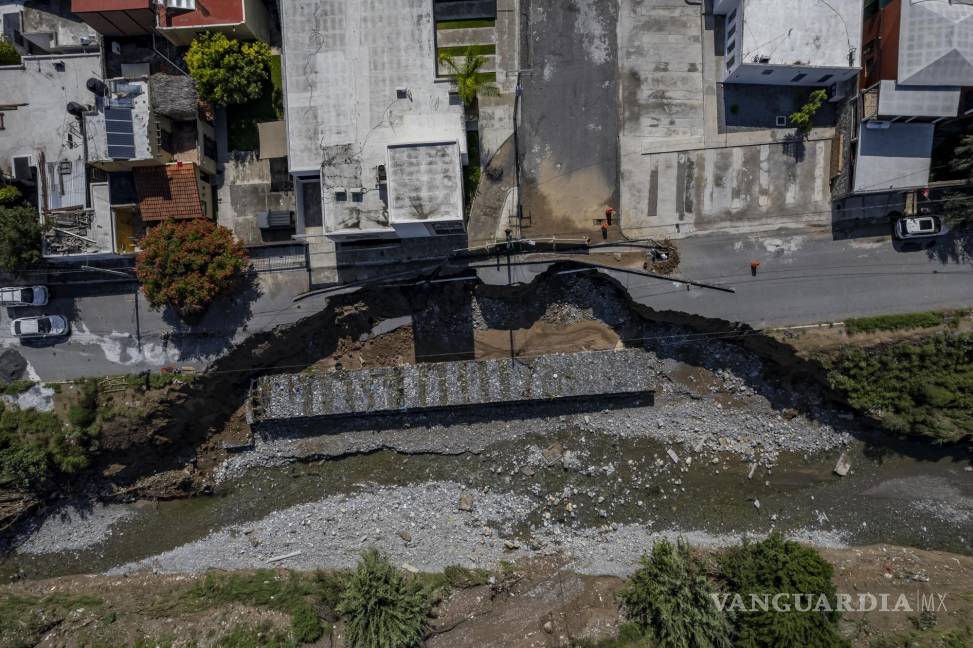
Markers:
point(784, 75)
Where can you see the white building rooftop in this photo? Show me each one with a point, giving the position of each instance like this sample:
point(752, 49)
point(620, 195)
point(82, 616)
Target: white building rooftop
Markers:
point(936, 43)
point(816, 33)
point(893, 156)
point(118, 127)
point(365, 110)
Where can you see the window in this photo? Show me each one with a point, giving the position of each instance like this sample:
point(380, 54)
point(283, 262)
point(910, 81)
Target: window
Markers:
point(732, 30)
point(2, 127)
point(732, 46)
point(767, 72)
point(204, 177)
point(209, 147)
point(826, 77)
point(165, 141)
point(798, 77)
point(733, 59)
point(732, 16)
point(341, 196)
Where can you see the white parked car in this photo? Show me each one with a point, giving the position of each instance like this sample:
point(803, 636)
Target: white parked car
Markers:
point(919, 227)
point(26, 296)
point(42, 326)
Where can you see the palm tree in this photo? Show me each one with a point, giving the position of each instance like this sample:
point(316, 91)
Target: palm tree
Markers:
point(470, 82)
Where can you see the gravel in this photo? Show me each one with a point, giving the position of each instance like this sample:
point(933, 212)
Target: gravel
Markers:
point(332, 532)
point(72, 527)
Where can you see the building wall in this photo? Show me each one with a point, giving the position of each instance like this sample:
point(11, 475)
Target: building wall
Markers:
point(732, 11)
point(788, 75)
point(880, 44)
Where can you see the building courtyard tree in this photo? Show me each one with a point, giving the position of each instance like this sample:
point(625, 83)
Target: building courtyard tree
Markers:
point(226, 70)
point(20, 237)
point(188, 264)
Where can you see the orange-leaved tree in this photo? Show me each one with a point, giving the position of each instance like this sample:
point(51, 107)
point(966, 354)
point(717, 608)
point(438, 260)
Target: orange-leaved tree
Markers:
point(187, 264)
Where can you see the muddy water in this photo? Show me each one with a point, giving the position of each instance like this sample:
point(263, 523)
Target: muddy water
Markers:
point(908, 496)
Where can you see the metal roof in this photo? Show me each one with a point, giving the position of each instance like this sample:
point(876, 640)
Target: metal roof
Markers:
point(893, 156)
point(936, 43)
point(917, 101)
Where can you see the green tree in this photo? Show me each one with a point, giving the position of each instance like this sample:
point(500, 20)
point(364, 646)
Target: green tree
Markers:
point(778, 566)
point(9, 54)
point(471, 83)
point(9, 195)
point(226, 70)
point(669, 597)
point(803, 118)
point(20, 237)
point(383, 608)
point(187, 264)
point(958, 207)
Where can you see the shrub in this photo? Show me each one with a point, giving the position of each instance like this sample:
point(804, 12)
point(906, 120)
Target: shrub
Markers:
point(306, 625)
point(9, 195)
point(381, 607)
point(669, 597)
point(20, 237)
point(187, 264)
point(261, 636)
point(226, 70)
point(918, 388)
point(803, 118)
point(85, 411)
point(893, 322)
point(9, 54)
point(776, 566)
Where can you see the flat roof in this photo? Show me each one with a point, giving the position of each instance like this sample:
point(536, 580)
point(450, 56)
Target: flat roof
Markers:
point(361, 77)
point(118, 128)
point(36, 119)
point(896, 157)
point(935, 43)
point(207, 12)
point(425, 182)
point(819, 33)
point(917, 101)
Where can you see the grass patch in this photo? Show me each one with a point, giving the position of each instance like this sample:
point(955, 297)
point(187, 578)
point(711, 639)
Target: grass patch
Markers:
point(16, 387)
point(25, 619)
point(932, 638)
point(242, 119)
point(898, 322)
point(157, 380)
point(260, 636)
point(924, 388)
point(463, 50)
point(465, 24)
point(464, 578)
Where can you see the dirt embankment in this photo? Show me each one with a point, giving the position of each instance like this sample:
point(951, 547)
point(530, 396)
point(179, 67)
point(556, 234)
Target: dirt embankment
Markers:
point(534, 604)
point(173, 448)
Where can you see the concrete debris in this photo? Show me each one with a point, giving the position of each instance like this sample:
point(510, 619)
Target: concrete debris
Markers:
point(672, 455)
point(756, 504)
point(843, 466)
point(553, 453)
point(753, 469)
point(293, 554)
point(466, 502)
point(406, 536)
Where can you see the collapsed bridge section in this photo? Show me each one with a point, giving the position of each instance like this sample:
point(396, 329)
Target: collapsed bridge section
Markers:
point(443, 385)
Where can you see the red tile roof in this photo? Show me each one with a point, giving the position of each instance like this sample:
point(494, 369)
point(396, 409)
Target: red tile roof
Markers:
point(170, 191)
point(207, 12)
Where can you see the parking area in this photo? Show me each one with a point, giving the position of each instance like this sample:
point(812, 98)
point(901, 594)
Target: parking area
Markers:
point(568, 129)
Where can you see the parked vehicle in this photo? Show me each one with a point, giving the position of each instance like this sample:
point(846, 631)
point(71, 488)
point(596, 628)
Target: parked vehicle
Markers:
point(42, 326)
point(919, 227)
point(24, 296)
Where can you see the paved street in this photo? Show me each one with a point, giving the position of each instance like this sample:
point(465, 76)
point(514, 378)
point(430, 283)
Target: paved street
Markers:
point(804, 277)
point(104, 337)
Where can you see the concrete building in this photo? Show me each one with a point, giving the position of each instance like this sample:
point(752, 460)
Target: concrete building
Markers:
point(918, 55)
point(38, 27)
point(180, 20)
point(791, 42)
point(376, 143)
point(117, 17)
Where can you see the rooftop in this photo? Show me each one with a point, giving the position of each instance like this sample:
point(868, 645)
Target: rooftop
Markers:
point(361, 79)
point(118, 127)
point(936, 43)
point(919, 101)
point(207, 12)
point(820, 33)
point(895, 156)
point(170, 191)
point(51, 26)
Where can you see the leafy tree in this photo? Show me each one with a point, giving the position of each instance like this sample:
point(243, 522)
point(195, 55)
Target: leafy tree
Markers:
point(805, 115)
point(669, 597)
point(381, 607)
point(9, 54)
point(958, 207)
point(470, 81)
point(778, 566)
point(187, 264)
point(20, 237)
point(9, 195)
point(226, 70)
